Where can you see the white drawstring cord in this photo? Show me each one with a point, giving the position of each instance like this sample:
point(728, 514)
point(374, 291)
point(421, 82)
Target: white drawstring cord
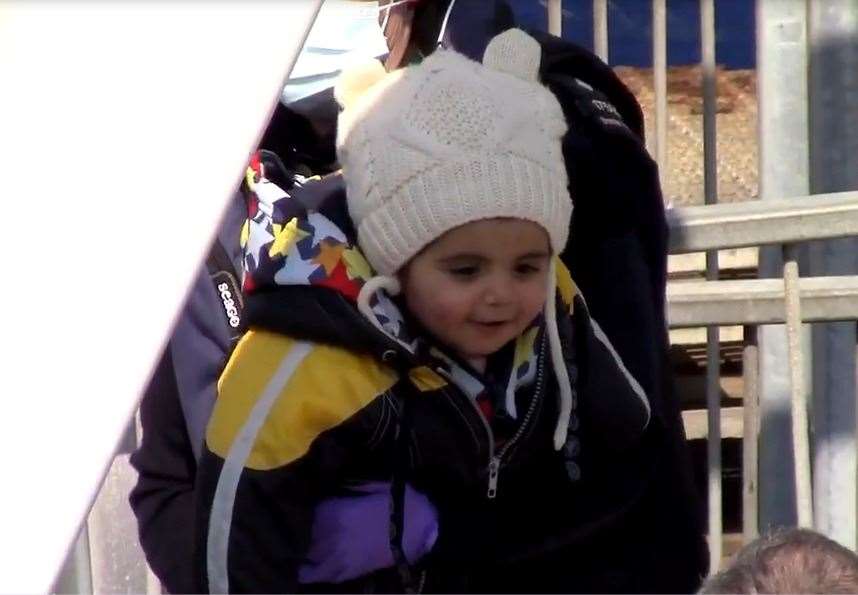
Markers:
point(557, 361)
point(389, 284)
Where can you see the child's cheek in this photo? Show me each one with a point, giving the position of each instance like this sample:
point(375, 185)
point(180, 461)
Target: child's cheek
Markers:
point(452, 310)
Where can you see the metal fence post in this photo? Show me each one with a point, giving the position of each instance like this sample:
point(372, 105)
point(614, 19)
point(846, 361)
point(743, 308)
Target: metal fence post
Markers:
point(784, 164)
point(713, 351)
point(76, 574)
point(659, 67)
point(117, 560)
point(798, 397)
point(750, 433)
point(555, 17)
point(833, 83)
point(600, 29)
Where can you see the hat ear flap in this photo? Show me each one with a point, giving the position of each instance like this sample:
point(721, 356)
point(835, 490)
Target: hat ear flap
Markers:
point(356, 80)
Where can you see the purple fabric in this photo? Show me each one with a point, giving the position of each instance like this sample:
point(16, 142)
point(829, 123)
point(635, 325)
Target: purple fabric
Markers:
point(351, 534)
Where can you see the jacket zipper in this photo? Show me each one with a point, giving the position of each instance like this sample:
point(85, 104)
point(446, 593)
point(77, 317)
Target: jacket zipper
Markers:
point(495, 460)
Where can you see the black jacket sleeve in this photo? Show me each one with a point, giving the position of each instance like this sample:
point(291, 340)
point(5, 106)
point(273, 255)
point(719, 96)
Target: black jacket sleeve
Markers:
point(163, 498)
point(617, 254)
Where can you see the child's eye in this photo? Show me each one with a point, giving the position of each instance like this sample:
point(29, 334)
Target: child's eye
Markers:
point(526, 269)
point(464, 271)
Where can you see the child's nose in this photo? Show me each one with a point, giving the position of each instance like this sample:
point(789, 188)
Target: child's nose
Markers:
point(497, 292)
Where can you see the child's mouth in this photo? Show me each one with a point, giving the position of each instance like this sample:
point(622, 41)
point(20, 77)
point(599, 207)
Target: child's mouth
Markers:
point(490, 323)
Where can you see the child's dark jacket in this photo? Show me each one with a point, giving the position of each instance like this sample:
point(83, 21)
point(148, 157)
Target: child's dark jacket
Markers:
point(316, 397)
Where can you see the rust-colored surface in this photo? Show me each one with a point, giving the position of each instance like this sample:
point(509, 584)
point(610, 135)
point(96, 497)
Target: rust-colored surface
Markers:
point(736, 131)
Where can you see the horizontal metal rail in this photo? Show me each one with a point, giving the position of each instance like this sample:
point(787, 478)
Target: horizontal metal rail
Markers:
point(759, 301)
point(755, 223)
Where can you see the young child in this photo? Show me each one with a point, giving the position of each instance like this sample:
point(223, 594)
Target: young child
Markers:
point(428, 338)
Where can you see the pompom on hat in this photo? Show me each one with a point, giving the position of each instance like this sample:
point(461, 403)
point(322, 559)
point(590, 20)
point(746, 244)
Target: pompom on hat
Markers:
point(434, 146)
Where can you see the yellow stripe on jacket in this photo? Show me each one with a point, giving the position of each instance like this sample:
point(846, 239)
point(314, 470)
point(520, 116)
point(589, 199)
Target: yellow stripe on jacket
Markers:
point(329, 386)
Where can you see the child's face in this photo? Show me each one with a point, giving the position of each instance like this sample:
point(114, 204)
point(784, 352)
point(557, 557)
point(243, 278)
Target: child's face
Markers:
point(480, 285)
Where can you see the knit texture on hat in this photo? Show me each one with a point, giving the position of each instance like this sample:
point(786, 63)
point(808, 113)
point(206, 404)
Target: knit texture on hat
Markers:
point(435, 146)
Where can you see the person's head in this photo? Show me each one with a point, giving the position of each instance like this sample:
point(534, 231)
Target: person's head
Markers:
point(480, 285)
point(414, 28)
point(457, 187)
point(789, 561)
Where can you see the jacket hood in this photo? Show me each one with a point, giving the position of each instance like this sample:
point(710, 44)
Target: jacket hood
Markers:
point(304, 273)
point(302, 268)
point(287, 240)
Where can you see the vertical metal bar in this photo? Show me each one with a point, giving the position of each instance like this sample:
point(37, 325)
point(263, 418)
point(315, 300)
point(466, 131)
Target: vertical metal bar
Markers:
point(555, 17)
point(153, 584)
point(600, 29)
point(659, 64)
point(713, 358)
point(782, 93)
point(118, 562)
point(750, 434)
point(76, 574)
point(713, 444)
point(833, 84)
point(800, 436)
point(707, 52)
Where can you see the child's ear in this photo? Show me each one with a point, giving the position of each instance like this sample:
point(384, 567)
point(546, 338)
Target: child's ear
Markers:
point(355, 80)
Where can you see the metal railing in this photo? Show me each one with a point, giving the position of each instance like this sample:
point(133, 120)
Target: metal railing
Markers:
point(754, 302)
point(785, 51)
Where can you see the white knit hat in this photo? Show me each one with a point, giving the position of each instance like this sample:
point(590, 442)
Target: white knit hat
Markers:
point(449, 141)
